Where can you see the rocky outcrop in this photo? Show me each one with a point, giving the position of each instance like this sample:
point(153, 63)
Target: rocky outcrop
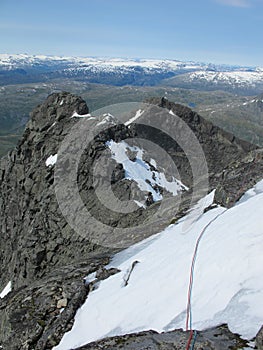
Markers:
point(219, 338)
point(234, 165)
point(42, 254)
point(259, 339)
point(35, 317)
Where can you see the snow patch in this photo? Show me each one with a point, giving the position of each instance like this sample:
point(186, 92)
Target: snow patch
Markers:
point(137, 115)
point(76, 115)
point(108, 118)
point(90, 278)
point(140, 171)
point(6, 290)
point(141, 205)
point(51, 160)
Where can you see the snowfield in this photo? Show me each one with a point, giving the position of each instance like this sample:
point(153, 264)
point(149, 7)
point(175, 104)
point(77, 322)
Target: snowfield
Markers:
point(227, 284)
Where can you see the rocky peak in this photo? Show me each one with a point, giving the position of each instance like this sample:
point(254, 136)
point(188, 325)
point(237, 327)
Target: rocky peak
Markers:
point(31, 218)
point(37, 242)
point(57, 106)
point(30, 215)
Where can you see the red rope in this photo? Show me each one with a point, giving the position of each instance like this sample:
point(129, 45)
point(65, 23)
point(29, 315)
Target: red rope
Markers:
point(189, 340)
point(188, 324)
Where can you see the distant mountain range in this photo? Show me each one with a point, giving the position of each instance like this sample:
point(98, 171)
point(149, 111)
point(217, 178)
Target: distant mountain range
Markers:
point(24, 68)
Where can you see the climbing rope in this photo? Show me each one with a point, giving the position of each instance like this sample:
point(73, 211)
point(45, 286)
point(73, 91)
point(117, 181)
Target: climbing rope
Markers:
point(193, 335)
point(188, 324)
point(194, 340)
point(189, 340)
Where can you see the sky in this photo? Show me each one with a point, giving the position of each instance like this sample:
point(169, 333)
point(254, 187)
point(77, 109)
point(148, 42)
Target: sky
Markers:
point(217, 31)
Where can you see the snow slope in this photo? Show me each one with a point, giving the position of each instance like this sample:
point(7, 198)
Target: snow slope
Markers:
point(228, 284)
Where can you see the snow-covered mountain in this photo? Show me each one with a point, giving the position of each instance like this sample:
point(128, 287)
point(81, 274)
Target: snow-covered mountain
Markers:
point(23, 68)
point(239, 77)
point(10, 62)
point(239, 80)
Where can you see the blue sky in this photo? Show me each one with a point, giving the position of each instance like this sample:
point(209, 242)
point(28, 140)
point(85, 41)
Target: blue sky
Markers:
point(218, 31)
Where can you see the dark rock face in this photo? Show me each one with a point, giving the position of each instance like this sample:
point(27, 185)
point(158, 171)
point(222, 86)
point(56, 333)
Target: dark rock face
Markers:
point(36, 316)
point(56, 107)
point(46, 259)
point(219, 146)
point(238, 177)
point(36, 236)
point(259, 339)
point(234, 165)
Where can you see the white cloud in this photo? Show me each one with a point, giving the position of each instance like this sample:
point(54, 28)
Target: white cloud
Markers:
point(235, 3)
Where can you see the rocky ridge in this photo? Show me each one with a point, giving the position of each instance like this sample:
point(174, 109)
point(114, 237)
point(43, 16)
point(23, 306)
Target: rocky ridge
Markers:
point(43, 256)
point(219, 338)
